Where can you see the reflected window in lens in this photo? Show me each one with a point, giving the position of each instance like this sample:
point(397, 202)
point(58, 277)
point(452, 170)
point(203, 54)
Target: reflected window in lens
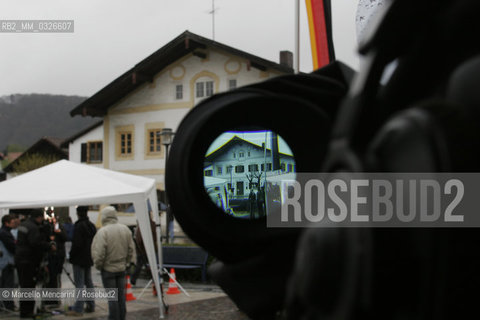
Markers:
point(241, 169)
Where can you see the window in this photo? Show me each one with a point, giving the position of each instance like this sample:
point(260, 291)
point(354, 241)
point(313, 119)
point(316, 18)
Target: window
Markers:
point(248, 153)
point(269, 167)
point(125, 143)
point(95, 154)
point(219, 170)
point(154, 141)
point(203, 89)
point(290, 168)
point(253, 168)
point(234, 155)
point(239, 169)
point(283, 166)
point(179, 91)
point(208, 173)
point(232, 84)
point(209, 88)
point(200, 88)
point(241, 154)
point(124, 139)
point(229, 169)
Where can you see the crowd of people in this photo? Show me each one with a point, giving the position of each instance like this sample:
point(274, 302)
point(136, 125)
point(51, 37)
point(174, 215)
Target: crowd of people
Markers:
point(32, 250)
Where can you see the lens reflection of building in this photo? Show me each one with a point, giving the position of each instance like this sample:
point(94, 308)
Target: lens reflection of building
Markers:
point(242, 165)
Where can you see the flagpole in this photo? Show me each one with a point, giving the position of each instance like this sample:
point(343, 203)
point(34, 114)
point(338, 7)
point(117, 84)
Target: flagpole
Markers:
point(297, 36)
point(213, 20)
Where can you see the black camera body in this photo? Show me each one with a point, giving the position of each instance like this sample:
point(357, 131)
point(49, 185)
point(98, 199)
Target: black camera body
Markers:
point(47, 230)
point(423, 118)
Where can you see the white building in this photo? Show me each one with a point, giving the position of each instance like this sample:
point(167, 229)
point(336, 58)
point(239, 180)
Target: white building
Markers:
point(157, 93)
point(243, 165)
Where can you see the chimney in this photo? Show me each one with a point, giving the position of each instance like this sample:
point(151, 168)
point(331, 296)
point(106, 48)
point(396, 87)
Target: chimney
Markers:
point(286, 58)
point(275, 153)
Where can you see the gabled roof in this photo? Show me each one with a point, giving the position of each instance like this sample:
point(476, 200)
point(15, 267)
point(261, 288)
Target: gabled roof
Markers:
point(144, 71)
point(46, 145)
point(231, 143)
point(11, 156)
point(66, 142)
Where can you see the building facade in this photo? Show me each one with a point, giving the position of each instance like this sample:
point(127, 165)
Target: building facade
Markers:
point(156, 94)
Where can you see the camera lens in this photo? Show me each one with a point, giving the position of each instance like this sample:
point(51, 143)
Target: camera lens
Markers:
point(238, 167)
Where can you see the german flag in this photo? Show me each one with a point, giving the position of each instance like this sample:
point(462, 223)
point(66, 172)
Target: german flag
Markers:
point(320, 25)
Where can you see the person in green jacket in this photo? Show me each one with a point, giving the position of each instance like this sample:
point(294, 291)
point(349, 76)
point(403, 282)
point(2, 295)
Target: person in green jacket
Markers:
point(112, 250)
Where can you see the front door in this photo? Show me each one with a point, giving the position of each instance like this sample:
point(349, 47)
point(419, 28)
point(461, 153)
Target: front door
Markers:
point(239, 188)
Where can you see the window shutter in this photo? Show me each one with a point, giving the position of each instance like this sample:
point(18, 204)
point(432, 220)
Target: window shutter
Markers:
point(100, 152)
point(83, 155)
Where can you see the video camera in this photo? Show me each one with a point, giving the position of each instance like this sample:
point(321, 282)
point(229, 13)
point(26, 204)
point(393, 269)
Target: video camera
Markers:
point(47, 228)
point(421, 118)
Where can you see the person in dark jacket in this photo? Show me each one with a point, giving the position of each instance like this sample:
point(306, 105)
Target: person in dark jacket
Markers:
point(7, 264)
point(68, 226)
point(56, 258)
point(81, 258)
point(32, 248)
point(141, 252)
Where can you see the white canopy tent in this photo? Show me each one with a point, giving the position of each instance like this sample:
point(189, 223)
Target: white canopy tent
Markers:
point(66, 183)
point(210, 182)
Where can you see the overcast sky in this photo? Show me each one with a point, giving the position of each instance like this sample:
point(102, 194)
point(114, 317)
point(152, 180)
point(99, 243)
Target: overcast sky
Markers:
point(111, 36)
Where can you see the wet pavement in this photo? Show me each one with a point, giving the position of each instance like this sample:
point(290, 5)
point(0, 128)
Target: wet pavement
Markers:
point(220, 308)
point(217, 308)
point(205, 301)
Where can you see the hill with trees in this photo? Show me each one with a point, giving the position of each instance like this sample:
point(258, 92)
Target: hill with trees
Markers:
point(25, 118)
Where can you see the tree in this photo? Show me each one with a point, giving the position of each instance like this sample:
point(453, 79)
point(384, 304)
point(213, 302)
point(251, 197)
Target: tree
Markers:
point(15, 148)
point(254, 179)
point(34, 161)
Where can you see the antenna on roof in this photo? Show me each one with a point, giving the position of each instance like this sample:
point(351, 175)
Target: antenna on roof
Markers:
point(212, 12)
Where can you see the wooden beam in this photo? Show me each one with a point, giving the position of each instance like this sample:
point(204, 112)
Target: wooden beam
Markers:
point(141, 77)
point(200, 54)
point(258, 66)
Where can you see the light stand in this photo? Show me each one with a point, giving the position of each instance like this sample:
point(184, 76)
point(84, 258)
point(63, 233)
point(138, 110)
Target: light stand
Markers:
point(167, 138)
